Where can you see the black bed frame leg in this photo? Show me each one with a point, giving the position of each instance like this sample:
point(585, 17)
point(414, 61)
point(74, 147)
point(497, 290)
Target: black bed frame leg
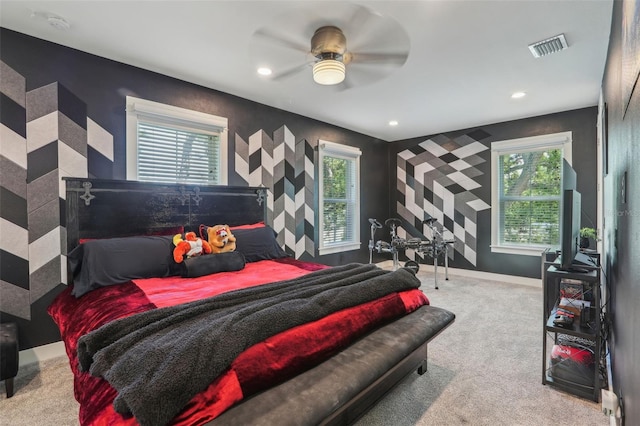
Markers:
point(8, 384)
point(422, 368)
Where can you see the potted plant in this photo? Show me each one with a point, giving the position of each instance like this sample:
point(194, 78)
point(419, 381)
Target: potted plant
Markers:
point(586, 235)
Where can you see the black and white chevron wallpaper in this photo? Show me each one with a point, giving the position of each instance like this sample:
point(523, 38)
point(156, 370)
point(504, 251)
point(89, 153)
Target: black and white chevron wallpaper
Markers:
point(46, 135)
point(437, 177)
point(286, 168)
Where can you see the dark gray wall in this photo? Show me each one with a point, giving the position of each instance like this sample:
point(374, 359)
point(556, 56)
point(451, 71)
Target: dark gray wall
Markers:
point(85, 88)
point(582, 124)
point(40, 78)
point(622, 214)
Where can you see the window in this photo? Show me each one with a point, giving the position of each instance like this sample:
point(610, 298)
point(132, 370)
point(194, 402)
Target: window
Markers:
point(171, 144)
point(527, 192)
point(339, 180)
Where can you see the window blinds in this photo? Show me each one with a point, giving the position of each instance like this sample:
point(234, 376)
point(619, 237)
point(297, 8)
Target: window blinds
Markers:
point(530, 197)
point(176, 154)
point(339, 184)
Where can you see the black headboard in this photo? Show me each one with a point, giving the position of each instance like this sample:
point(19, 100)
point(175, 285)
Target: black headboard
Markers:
point(100, 208)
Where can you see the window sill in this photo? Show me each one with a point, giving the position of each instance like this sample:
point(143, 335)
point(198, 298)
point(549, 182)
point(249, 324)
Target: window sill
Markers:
point(337, 248)
point(520, 250)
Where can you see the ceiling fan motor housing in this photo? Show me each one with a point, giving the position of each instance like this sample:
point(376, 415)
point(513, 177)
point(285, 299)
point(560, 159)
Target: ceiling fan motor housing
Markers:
point(328, 42)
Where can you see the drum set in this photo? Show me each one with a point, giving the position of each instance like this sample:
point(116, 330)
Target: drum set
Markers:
point(434, 248)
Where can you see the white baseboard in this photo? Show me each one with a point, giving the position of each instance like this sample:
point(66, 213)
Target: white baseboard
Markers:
point(470, 273)
point(42, 353)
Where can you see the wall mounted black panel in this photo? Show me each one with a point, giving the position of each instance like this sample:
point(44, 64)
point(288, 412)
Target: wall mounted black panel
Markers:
point(622, 213)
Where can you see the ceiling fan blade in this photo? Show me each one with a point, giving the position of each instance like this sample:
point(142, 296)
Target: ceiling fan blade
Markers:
point(359, 75)
point(291, 71)
point(269, 36)
point(379, 58)
point(359, 18)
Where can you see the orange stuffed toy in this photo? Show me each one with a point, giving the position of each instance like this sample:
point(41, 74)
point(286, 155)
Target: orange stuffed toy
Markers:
point(189, 247)
point(220, 238)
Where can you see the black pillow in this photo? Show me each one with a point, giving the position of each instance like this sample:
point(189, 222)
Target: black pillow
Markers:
point(100, 263)
point(212, 263)
point(258, 244)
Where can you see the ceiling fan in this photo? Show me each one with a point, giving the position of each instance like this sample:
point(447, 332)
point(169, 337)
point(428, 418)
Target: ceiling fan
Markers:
point(380, 46)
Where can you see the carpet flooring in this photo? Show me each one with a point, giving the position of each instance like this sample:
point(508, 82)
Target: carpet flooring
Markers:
point(485, 369)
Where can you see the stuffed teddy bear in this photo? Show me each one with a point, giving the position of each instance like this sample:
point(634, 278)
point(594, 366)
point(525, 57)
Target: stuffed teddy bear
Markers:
point(190, 246)
point(220, 238)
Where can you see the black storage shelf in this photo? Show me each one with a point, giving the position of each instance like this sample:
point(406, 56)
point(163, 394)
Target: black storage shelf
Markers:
point(586, 332)
point(571, 387)
point(586, 383)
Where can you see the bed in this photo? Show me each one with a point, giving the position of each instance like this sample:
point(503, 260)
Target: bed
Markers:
point(251, 336)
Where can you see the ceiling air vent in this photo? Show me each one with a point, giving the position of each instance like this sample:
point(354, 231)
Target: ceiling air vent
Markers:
point(550, 45)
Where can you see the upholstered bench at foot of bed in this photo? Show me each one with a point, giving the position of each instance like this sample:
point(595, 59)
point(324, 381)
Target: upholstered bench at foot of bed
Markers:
point(349, 383)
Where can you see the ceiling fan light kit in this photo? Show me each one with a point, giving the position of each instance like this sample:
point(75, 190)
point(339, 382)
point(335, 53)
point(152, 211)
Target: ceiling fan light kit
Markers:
point(328, 72)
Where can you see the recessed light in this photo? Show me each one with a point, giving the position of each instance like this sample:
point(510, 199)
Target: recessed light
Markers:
point(393, 123)
point(56, 21)
point(59, 23)
point(518, 95)
point(264, 71)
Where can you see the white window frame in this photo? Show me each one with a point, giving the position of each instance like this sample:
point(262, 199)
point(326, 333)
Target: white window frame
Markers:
point(335, 150)
point(172, 116)
point(562, 141)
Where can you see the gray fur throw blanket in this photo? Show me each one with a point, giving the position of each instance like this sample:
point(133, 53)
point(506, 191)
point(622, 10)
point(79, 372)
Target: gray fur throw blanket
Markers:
point(158, 360)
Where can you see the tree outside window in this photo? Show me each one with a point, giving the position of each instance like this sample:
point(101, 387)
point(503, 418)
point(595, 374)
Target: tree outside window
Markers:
point(339, 197)
point(530, 197)
point(527, 193)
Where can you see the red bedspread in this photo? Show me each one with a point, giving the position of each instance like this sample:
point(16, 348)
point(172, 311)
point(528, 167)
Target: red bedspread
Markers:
point(261, 366)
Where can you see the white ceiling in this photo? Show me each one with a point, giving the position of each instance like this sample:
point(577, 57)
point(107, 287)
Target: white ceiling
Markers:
point(465, 57)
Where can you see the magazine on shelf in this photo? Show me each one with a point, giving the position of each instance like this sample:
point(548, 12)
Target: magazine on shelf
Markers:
point(571, 289)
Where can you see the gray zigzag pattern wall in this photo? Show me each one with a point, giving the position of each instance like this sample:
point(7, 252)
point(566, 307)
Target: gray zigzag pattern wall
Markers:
point(437, 177)
point(46, 135)
point(286, 168)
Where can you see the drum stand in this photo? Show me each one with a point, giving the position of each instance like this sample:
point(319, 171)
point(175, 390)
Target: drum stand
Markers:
point(433, 248)
point(439, 246)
